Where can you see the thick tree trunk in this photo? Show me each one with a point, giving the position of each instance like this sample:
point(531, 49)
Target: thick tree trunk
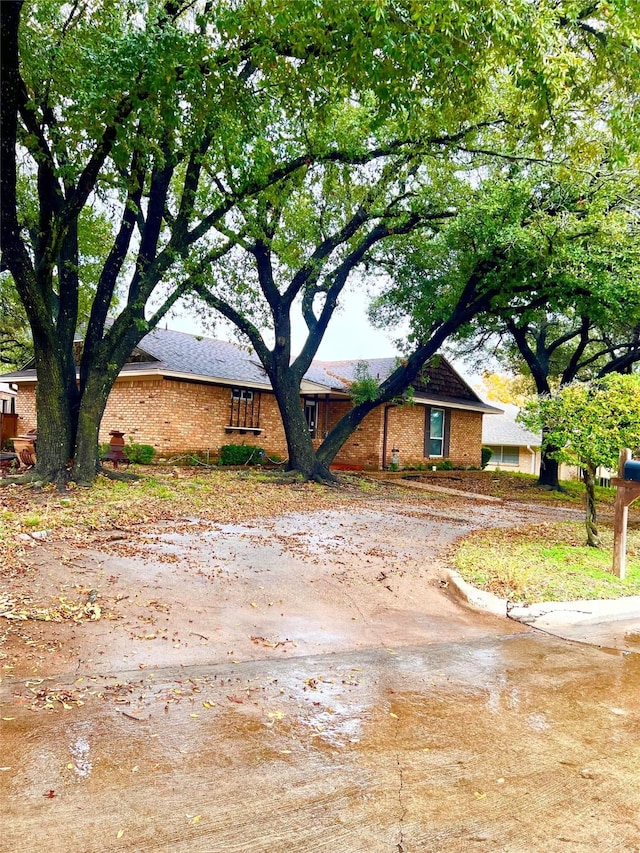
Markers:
point(302, 457)
point(549, 468)
point(589, 477)
point(86, 461)
point(56, 427)
point(345, 427)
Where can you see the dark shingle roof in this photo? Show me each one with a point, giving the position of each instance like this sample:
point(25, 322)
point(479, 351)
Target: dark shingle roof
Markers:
point(167, 352)
point(180, 352)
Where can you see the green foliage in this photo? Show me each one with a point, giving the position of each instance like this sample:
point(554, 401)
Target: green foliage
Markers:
point(487, 453)
point(261, 150)
point(15, 338)
point(240, 454)
point(141, 454)
point(547, 242)
point(589, 423)
point(364, 387)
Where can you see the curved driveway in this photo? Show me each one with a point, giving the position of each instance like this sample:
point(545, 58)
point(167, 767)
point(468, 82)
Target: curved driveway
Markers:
point(308, 684)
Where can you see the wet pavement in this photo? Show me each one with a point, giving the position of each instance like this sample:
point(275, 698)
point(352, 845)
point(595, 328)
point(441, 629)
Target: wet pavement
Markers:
point(309, 684)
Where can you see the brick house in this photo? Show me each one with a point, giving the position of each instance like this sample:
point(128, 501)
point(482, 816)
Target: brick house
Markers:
point(183, 393)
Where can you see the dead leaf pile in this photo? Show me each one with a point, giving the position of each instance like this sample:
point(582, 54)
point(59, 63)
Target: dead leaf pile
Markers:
point(21, 608)
point(48, 699)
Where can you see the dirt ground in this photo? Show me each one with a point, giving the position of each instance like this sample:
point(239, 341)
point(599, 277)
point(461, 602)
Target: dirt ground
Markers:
point(303, 682)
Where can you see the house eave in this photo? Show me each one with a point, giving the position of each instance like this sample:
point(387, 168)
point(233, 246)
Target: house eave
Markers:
point(456, 403)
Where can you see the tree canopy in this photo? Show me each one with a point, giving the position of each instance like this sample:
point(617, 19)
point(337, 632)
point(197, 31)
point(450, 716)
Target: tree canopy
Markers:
point(211, 132)
point(565, 231)
point(588, 424)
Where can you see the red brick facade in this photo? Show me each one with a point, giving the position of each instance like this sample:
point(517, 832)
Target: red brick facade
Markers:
point(178, 416)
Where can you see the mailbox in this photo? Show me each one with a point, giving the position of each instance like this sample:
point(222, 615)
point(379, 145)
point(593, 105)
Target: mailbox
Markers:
point(632, 470)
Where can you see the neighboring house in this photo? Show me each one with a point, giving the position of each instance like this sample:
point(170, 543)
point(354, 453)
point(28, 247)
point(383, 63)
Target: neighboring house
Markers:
point(184, 393)
point(514, 447)
point(8, 417)
point(7, 398)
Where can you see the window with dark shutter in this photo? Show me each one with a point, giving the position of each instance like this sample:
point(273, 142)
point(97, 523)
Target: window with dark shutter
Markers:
point(311, 416)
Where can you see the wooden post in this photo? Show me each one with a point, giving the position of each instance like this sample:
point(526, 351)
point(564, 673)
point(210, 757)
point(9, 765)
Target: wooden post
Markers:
point(626, 492)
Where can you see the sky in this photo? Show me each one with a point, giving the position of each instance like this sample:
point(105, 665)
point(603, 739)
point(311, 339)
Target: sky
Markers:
point(349, 334)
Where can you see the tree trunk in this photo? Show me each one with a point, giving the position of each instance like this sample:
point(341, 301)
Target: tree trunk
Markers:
point(589, 477)
point(339, 434)
point(56, 426)
point(302, 457)
point(549, 466)
point(94, 400)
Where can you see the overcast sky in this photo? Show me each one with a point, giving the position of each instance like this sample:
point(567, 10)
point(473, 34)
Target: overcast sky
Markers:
point(349, 335)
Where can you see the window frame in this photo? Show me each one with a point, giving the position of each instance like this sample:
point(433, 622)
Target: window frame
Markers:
point(311, 404)
point(244, 410)
point(444, 438)
point(498, 459)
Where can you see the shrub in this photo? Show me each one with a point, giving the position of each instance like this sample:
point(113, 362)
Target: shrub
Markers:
point(445, 465)
point(141, 454)
point(240, 454)
point(487, 453)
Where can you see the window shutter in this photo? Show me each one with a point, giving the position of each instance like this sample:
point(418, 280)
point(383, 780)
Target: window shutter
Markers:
point(427, 429)
point(447, 432)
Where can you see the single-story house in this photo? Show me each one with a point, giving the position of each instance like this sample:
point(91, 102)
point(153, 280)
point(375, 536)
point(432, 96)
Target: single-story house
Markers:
point(184, 393)
point(514, 447)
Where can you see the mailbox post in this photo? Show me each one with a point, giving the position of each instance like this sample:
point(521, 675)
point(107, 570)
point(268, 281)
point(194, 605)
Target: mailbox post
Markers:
point(627, 490)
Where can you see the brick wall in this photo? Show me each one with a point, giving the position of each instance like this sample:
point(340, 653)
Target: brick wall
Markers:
point(26, 408)
point(363, 449)
point(405, 431)
point(180, 416)
point(465, 439)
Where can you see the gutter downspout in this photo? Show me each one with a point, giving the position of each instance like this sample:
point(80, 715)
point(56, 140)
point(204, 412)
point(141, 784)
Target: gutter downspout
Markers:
point(533, 458)
point(385, 435)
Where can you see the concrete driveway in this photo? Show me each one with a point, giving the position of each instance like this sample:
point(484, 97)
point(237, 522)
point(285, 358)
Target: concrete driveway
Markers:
point(308, 684)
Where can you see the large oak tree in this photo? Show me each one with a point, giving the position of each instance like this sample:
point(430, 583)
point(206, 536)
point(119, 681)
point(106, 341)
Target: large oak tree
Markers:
point(577, 230)
point(177, 117)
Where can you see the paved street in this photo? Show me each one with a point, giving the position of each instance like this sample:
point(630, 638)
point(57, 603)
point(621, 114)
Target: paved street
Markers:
point(318, 690)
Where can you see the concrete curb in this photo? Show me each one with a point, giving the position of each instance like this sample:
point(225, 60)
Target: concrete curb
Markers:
point(548, 612)
point(478, 598)
point(572, 612)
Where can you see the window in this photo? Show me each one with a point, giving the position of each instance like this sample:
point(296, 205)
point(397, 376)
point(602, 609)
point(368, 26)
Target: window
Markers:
point(505, 455)
point(245, 410)
point(435, 443)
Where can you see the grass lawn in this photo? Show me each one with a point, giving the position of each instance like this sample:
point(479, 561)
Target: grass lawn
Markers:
point(536, 563)
point(547, 562)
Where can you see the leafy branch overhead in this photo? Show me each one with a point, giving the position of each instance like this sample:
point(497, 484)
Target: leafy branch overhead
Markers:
point(257, 155)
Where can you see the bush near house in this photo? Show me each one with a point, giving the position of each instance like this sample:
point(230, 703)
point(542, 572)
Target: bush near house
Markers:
point(240, 454)
point(487, 453)
point(141, 454)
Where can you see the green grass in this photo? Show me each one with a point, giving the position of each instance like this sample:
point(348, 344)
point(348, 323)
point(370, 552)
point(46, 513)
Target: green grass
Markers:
point(547, 562)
